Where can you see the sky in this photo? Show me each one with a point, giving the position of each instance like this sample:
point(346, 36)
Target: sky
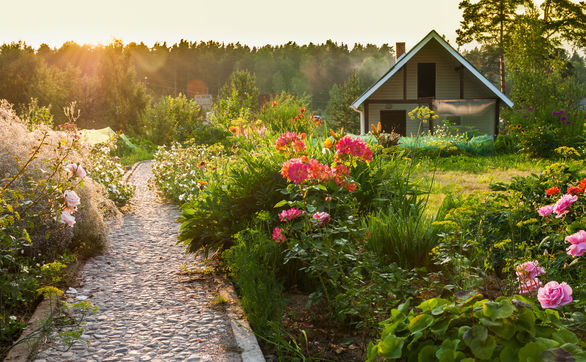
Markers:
point(251, 22)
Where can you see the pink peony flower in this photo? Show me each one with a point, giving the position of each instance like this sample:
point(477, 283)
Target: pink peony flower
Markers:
point(288, 215)
point(298, 172)
point(71, 198)
point(578, 241)
point(554, 294)
point(321, 217)
point(67, 218)
point(278, 235)
point(529, 270)
point(545, 211)
point(560, 207)
point(355, 147)
point(77, 170)
point(528, 285)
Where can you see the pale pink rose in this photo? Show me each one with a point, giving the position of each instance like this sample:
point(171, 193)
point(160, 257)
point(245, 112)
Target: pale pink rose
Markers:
point(76, 170)
point(560, 207)
point(71, 198)
point(321, 217)
point(578, 241)
point(554, 294)
point(529, 270)
point(67, 218)
point(545, 211)
point(527, 286)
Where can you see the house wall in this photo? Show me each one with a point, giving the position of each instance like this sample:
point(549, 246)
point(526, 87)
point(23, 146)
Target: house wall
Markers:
point(447, 88)
point(412, 125)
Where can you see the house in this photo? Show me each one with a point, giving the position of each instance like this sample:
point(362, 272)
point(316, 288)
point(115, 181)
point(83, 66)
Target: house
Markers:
point(436, 75)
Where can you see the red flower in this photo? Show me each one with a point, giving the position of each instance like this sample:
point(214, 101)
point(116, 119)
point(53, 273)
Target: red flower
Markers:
point(552, 191)
point(575, 190)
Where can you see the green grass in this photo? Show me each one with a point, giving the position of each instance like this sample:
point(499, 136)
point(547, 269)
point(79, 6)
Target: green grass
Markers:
point(137, 154)
point(483, 164)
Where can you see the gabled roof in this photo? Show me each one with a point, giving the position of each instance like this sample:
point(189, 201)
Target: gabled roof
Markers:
point(406, 57)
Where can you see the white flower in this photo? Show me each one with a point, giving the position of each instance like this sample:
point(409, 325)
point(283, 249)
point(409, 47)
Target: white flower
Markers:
point(71, 199)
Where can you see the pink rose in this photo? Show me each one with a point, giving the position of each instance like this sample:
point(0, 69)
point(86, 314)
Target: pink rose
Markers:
point(578, 241)
point(546, 210)
point(76, 170)
point(278, 235)
point(527, 286)
point(67, 218)
point(554, 294)
point(321, 217)
point(563, 203)
point(288, 215)
point(530, 270)
point(71, 198)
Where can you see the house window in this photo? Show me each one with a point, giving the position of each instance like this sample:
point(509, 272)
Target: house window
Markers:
point(425, 80)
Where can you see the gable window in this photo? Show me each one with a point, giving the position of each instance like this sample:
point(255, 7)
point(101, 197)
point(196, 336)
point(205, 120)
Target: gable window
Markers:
point(425, 80)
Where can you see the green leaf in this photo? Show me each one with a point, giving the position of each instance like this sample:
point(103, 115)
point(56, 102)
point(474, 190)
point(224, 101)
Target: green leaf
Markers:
point(390, 347)
point(447, 350)
point(427, 353)
point(432, 304)
point(565, 336)
point(505, 330)
point(321, 187)
point(509, 353)
point(420, 323)
point(280, 203)
point(480, 343)
point(498, 310)
point(531, 352)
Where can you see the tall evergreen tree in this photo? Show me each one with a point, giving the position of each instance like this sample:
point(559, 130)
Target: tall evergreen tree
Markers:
point(488, 22)
point(341, 97)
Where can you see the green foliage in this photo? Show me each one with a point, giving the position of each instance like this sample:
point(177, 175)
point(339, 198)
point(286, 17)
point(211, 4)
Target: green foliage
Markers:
point(254, 262)
point(341, 97)
point(238, 99)
point(538, 71)
point(511, 328)
point(124, 99)
point(283, 113)
point(231, 198)
point(402, 236)
point(172, 119)
point(35, 115)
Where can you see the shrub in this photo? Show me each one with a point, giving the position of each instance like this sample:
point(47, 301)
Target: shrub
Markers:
point(254, 262)
point(287, 113)
point(238, 99)
point(511, 328)
point(172, 119)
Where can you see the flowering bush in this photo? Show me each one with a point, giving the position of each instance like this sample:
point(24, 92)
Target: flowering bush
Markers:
point(108, 171)
point(182, 172)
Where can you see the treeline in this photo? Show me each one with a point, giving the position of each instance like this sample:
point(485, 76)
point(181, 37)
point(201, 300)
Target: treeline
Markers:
point(113, 84)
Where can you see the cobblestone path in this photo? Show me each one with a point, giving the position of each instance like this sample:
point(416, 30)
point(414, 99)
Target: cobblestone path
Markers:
point(146, 312)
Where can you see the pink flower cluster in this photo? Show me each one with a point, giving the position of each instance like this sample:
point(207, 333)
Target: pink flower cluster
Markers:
point(527, 276)
point(278, 235)
point(288, 215)
point(354, 147)
point(552, 295)
point(301, 170)
point(560, 208)
point(320, 218)
point(72, 201)
point(291, 141)
point(578, 241)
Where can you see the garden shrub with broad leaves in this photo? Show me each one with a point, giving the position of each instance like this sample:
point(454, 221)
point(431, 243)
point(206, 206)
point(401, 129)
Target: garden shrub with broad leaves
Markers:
point(506, 329)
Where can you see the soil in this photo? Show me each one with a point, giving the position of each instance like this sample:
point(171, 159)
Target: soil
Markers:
point(318, 335)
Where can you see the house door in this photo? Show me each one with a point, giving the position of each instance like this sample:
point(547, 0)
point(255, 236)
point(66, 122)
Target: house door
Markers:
point(394, 121)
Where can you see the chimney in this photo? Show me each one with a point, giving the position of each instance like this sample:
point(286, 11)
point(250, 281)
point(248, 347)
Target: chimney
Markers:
point(400, 49)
